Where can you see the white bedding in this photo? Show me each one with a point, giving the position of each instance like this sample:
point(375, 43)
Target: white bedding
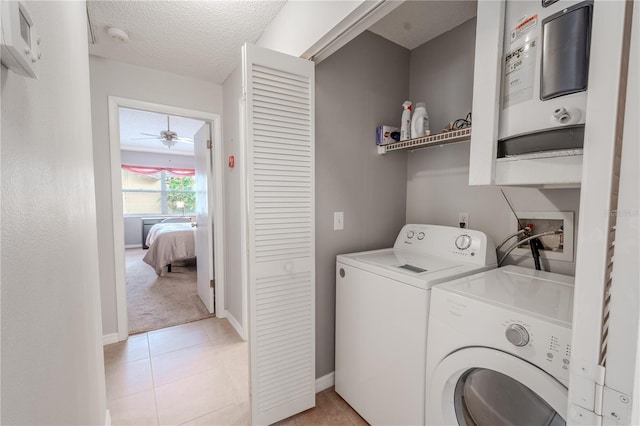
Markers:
point(169, 242)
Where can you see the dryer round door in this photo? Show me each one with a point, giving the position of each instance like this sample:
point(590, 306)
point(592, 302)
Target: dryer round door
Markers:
point(481, 386)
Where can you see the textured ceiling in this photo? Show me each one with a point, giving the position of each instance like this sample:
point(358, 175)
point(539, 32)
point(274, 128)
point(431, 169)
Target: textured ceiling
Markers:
point(416, 22)
point(134, 122)
point(201, 39)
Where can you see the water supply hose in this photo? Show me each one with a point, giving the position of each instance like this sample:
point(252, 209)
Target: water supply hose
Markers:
point(521, 242)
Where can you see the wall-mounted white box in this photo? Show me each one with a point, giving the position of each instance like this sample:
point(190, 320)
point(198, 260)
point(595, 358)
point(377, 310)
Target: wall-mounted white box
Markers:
point(557, 247)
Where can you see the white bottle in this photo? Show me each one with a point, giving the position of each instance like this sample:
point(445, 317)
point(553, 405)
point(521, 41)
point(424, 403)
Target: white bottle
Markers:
point(420, 121)
point(405, 127)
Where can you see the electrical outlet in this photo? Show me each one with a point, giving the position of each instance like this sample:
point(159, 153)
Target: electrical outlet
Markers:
point(338, 221)
point(556, 246)
point(463, 220)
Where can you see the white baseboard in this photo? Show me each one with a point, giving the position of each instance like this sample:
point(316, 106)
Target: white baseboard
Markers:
point(107, 418)
point(325, 382)
point(236, 325)
point(132, 246)
point(108, 339)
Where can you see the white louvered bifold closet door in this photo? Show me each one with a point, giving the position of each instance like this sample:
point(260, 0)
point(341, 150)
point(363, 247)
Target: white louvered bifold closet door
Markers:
point(279, 92)
point(597, 252)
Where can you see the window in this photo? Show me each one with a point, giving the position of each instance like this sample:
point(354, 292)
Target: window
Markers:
point(157, 192)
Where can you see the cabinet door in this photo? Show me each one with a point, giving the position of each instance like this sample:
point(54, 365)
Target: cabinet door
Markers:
point(279, 117)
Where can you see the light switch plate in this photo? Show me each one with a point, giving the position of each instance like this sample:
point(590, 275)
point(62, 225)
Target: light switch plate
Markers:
point(338, 221)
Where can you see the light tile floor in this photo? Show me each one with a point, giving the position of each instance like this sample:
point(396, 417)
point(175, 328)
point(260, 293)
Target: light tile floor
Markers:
point(195, 374)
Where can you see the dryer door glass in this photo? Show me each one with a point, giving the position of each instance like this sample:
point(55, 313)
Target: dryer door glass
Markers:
point(487, 398)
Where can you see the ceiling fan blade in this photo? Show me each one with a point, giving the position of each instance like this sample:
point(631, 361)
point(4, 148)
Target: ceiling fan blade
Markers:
point(188, 140)
point(140, 139)
point(149, 134)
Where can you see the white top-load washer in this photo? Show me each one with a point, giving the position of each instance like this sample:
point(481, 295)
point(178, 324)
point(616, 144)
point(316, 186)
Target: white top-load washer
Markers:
point(499, 349)
point(382, 307)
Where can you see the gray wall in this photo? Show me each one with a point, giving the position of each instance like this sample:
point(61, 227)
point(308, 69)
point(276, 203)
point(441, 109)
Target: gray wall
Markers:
point(133, 229)
point(437, 178)
point(234, 288)
point(358, 88)
point(52, 360)
point(112, 78)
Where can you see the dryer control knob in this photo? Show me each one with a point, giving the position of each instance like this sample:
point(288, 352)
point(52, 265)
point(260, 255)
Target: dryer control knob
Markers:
point(463, 242)
point(517, 335)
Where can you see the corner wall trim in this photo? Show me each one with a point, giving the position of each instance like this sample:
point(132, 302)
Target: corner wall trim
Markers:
point(107, 418)
point(108, 339)
point(325, 382)
point(236, 325)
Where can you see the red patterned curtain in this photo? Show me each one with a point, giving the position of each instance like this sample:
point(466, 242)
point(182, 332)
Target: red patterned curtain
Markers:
point(151, 170)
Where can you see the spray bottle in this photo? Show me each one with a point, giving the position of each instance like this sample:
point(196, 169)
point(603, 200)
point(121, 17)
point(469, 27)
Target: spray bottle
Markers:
point(405, 127)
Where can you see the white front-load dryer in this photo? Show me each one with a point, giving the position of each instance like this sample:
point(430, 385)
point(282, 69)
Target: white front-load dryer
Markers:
point(499, 348)
point(382, 307)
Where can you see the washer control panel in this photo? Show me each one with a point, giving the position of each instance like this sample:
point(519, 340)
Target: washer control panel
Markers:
point(537, 342)
point(467, 245)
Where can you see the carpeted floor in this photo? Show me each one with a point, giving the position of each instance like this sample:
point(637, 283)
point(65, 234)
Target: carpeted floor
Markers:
point(155, 302)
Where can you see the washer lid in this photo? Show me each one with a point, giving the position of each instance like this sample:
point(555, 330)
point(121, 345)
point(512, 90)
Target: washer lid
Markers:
point(418, 269)
point(408, 262)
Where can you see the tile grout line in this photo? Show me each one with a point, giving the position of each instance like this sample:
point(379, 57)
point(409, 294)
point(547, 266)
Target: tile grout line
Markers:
point(209, 340)
point(153, 381)
point(206, 414)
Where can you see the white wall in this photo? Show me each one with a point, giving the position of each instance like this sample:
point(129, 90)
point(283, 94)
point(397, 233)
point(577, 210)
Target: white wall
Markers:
point(437, 178)
point(52, 361)
point(156, 159)
point(112, 78)
point(234, 291)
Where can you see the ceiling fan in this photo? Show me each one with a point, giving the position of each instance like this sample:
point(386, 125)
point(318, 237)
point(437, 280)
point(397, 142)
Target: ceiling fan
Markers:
point(168, 137)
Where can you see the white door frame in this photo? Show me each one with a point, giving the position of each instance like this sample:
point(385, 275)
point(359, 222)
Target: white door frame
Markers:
point(116, 200)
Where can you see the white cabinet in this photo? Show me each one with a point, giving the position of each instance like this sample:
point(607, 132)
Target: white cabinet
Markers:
point(513, 41)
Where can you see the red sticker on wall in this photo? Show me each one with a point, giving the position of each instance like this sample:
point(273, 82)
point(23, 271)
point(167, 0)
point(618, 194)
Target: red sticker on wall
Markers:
point(232, 161)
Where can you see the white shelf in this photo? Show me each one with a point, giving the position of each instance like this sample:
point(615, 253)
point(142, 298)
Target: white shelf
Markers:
point(428, 141)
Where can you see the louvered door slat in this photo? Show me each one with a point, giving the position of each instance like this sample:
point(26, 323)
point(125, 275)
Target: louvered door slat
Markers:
point(284, 139)
point(272, 152)
point(282, 111)
point(280, 201)
point(273, 78)
point(283, 123)
point(267, 98)
point(281, 116)
point(275, 73)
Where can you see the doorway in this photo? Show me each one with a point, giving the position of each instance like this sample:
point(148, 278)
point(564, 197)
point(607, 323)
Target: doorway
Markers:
point(214, 192)
point(159, 212)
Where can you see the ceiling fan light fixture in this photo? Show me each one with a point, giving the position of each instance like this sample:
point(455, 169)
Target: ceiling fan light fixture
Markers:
point(169, 142)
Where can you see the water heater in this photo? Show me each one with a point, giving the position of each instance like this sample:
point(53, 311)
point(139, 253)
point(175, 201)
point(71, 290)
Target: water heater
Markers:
point(544, 76)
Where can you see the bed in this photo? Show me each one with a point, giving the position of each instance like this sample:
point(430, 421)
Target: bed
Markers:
point(169, 242)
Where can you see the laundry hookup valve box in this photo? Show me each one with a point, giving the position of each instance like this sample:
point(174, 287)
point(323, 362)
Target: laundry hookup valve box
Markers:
point(384, 135)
